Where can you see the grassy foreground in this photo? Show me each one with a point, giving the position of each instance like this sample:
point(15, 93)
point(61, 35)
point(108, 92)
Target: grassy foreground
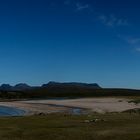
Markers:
point(66, 127)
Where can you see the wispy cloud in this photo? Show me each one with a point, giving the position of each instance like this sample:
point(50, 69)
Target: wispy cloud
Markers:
point(138, 49)
point(80, 7)
point(130, 40)
point(112, 20)
point(67, 2)
point(133, 40)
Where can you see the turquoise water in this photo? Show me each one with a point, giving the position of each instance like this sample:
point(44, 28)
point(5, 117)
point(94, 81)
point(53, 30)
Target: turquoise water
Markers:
point(10, 111)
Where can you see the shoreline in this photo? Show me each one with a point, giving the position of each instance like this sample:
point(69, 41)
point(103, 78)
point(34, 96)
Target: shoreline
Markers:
point(42, 109)
point(70, 106)
point(99, 105)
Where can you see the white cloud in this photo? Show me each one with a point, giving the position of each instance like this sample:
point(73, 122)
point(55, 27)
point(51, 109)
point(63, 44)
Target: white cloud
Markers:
point(112, 21)
point(80, 7)
point(67, 2)
point(122, 22)
point(130, 40)
point(138, 49)
point(133, 40)
point(103, 18)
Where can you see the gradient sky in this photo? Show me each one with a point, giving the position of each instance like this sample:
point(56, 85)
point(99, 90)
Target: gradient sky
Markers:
point(70, 40)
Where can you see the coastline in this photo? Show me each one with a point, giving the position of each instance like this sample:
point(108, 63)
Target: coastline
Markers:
point(99, 105)
point(72, 106)
point(42, 109)
point(8, 111)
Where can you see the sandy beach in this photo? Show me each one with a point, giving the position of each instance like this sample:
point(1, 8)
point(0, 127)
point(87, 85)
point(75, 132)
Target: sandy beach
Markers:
point(100, 105)
point(34, 108)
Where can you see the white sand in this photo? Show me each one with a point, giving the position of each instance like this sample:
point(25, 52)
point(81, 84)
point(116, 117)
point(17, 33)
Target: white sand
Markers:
point(95, 104)
point(100, 105)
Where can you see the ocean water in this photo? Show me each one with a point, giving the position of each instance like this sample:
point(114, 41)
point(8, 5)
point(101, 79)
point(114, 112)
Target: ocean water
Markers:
point(76, 111)
point(10, 111)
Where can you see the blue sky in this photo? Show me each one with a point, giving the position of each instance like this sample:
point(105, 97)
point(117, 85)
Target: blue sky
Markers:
point(70, 40)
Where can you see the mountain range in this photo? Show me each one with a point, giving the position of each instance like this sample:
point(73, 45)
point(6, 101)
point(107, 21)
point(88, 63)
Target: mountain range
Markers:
point(62, 90)
point(24, 86)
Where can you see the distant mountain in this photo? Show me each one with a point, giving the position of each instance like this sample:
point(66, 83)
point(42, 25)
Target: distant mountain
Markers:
point(21, 86)
point(72, 84)
point(61, 90)
point(6, 87)
point(52, 87)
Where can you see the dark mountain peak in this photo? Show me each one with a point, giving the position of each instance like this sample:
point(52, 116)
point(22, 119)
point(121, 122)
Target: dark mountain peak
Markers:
point(53, 83)
point(6, 87)
point(22, 86)
point(72, 84)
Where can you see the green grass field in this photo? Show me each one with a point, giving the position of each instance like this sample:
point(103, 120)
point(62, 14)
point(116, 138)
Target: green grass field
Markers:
point(66, 127)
